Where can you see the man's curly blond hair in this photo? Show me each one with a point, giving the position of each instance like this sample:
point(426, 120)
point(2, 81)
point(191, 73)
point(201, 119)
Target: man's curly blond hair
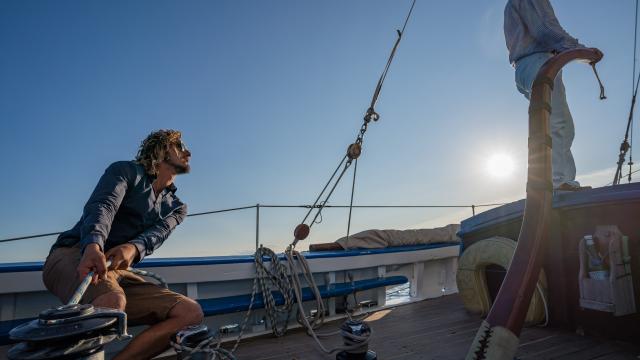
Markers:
point(153, 149)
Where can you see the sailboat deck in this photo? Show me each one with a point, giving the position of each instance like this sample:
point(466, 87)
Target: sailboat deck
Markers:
point(436, 329)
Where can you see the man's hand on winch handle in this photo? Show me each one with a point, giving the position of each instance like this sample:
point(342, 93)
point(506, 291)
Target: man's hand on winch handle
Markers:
point(122, 256)
point(92, 260)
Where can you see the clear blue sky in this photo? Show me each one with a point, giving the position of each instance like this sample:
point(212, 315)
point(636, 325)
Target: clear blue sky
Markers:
point(268, 95)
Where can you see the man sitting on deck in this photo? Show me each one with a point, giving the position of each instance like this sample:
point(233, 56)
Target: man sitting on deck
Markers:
point(131, 212)
point(533, 35)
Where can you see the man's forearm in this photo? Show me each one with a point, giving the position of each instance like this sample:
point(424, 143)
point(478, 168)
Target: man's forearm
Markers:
point(152, 238)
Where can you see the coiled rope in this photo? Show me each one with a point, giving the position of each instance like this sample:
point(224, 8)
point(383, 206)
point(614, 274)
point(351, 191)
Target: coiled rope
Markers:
point(352, 342)
point(287, 282)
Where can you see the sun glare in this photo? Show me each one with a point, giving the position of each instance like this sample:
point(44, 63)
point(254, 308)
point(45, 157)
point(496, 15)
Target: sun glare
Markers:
point(500, 165)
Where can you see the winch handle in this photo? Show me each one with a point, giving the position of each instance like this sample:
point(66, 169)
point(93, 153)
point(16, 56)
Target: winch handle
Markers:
point(77, 295)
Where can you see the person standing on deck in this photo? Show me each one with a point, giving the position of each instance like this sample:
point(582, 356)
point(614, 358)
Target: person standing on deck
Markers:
point(131, 212)
point(533, 35)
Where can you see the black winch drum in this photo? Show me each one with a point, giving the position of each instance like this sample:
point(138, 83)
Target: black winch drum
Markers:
point(358, 328)
point(190, 337)
point(69, 332)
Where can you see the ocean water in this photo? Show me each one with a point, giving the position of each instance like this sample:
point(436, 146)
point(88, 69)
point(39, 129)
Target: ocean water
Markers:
point(398, 294)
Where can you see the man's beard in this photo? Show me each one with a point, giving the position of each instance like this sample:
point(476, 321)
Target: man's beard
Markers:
point(179, 168)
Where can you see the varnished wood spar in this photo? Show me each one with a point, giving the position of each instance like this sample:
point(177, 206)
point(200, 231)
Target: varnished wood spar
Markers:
point(512, 302)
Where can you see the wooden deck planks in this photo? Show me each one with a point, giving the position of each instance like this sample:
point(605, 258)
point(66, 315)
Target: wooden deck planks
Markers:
point(436, 329)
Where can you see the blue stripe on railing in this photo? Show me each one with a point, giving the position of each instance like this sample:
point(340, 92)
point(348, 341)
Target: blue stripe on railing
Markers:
point(230, 304)
point(237, 303)
point(216, 260)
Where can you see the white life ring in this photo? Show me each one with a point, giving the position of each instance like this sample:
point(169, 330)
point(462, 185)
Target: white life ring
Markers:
point(472, 283)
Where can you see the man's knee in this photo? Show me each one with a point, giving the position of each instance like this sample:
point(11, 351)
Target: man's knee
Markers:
point(189, 311)
point(113, 300)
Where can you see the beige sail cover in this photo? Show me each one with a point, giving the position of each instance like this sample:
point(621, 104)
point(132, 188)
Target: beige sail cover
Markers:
point(378, 239)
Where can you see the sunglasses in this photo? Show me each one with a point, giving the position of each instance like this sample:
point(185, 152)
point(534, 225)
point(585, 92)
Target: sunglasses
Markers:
point(181, 146)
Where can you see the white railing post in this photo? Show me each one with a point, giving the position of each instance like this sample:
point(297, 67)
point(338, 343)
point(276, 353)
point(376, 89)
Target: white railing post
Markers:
point(257, 226)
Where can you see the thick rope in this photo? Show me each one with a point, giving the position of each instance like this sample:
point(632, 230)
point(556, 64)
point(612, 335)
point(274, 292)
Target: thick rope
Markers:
point(287, 281)
point(205, 347)
point(150, 274)
point(275, 278)
point(354, 342)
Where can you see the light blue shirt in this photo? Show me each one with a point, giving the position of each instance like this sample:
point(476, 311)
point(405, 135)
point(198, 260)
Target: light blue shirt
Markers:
point(530, 26)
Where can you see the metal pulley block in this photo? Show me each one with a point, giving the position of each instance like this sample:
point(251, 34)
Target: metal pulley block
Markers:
point(354, 150)
point(71, 332)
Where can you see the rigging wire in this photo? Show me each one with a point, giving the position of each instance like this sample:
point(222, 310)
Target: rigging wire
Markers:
point(625, 146)
point(376, 93)
point(353, 186)
point(371, 114)
point(356, 343)
point(355, 149)
point(635, 45)
point(635, 42)
point(628, 175)
point(27, 237)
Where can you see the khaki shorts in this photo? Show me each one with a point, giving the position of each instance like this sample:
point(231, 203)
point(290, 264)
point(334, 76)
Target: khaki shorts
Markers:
point(147, 303)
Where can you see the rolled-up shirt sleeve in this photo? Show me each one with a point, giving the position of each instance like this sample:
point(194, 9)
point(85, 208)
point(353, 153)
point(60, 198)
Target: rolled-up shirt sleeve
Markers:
point(541, 21)
point(153, 237)
point(101, 208)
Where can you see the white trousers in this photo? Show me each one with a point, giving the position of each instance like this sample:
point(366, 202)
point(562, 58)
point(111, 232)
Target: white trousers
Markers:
point(561, 122)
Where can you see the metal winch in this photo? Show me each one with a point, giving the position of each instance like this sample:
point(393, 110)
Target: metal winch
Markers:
point(70, 332)
point(197, 343)
point(356, 333)
point(193, 342)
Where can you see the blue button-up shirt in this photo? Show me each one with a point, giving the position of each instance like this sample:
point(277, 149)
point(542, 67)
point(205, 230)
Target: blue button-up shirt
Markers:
point(530, 26)
point(123, 208)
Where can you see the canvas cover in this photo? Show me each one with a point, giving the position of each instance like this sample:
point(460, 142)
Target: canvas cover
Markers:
point(378, 239)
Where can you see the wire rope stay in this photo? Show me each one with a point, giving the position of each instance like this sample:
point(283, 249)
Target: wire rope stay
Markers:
point(627, 142)
point(297, 262)
point(288, 282)
point(354, 150)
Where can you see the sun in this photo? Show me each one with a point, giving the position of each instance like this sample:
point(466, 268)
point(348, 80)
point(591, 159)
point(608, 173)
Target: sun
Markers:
point(500, 165)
